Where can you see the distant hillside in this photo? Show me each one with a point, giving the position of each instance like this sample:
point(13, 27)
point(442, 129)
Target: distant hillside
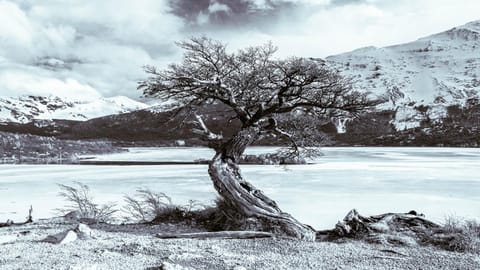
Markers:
point(460, 128)
point(151, 125)
point(142, 127)
point(25, 148)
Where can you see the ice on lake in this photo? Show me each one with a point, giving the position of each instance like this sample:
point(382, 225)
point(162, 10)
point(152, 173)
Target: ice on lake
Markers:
point(438, 182)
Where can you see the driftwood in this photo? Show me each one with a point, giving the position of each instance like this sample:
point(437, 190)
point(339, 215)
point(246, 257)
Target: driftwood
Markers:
point(222, 234)
point(392, 228)
point(11, 223)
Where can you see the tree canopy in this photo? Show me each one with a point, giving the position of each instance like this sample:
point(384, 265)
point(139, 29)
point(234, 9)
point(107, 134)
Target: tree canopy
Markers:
point(252, 82)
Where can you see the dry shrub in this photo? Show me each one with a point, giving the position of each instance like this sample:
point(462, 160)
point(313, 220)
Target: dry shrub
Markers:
point(80, 200)
point(220, 217)
point(457, 235)
point(156, 207)
point(464, 235)
point(146, 204)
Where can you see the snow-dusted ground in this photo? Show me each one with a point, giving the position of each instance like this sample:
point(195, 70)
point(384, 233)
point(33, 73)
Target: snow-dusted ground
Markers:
point(438, 182)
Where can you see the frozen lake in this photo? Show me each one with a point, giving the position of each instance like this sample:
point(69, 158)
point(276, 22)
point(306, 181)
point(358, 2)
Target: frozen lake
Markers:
point(438, 182)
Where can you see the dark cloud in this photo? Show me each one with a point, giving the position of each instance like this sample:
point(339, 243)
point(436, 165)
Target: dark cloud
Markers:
point(189, 9)
point(228, 13)
point(346, 2)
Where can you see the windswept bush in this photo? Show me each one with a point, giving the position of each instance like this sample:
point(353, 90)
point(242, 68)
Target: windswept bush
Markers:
point(156, 207)
point(462, 235)
point(457, 235)
point(221, 216)
point(81, 201)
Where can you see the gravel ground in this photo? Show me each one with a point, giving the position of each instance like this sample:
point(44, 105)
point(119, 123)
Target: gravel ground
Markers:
point(135, 247)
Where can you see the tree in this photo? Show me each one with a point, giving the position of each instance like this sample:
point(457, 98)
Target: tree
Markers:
point(257, 89)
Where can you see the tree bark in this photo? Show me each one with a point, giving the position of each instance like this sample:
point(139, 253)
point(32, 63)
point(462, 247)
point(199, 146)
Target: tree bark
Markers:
point(260, 212)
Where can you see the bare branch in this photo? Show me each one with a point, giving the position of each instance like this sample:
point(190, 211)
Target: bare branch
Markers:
point(273, 128)
point(205, 131)
point(252, 83)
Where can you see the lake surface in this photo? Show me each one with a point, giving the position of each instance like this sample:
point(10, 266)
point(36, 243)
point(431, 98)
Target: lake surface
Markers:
point(438, 182)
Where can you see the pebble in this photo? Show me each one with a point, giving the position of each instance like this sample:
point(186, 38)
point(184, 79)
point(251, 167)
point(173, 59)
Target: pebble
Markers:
point(171, 266)
point(69, 237)
point(61, 238)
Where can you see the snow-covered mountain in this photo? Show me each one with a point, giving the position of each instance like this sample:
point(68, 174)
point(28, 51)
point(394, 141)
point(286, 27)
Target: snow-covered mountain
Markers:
point(26, 108)
point(420, 79)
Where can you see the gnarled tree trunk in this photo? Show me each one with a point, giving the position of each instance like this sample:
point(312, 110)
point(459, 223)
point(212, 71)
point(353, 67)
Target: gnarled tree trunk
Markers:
point(261, 212)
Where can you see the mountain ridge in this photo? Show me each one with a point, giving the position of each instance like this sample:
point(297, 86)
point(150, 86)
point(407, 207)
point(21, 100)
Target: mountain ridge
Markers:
point(25, 109)
point(418, 80)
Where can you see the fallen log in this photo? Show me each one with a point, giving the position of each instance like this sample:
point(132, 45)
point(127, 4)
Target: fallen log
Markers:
point(221, 234)
point(11, 223)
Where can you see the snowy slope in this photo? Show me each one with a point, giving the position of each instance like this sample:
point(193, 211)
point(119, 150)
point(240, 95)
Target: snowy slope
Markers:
point(419, 79)
point(26, 108)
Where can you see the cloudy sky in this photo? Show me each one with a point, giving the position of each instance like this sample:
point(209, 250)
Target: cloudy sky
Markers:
point(86, 49)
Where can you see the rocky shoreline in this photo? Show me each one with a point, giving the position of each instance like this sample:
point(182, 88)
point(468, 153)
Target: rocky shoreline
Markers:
point(135, 246)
